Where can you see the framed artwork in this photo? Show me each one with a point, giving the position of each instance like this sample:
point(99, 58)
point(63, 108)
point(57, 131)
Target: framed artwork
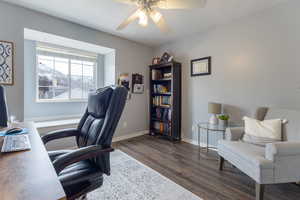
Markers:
point(124, 80)
point(201, 66)
point(6, 63)
point(137, 84)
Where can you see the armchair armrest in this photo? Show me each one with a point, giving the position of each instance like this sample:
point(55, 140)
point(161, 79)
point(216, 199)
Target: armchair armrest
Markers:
point(79, 155)
point(59, 134)
point(281, 149)
point(234, 134)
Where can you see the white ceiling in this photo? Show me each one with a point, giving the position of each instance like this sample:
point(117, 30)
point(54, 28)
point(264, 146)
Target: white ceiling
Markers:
point(106, 15)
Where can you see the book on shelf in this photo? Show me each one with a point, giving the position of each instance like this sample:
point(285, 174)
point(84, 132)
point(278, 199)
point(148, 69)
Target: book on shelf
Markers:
point(163, 114)
point(163, 101)
point(156, 74)
point(162, 127)
point(160, 89)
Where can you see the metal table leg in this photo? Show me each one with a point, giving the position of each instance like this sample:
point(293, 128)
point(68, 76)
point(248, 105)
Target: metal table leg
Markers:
point(207, 140)
point(199, 134)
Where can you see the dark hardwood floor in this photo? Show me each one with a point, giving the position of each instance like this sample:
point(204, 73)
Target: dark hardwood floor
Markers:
point(182, 163)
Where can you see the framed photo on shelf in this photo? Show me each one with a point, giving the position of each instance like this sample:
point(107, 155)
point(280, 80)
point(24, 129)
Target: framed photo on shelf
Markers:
point(156, 61)
point(6, 63)
point(201, 66)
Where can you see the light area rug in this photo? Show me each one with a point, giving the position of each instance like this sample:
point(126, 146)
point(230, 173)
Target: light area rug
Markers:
point(132, 180)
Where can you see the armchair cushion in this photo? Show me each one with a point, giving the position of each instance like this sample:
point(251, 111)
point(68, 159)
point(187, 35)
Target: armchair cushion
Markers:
point(248, 158)
point(234, 134)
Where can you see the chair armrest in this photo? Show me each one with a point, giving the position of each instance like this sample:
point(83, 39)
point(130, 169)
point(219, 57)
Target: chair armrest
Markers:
point(281, 149)
point(234, 134)
point(79, 155)
point(59, 134)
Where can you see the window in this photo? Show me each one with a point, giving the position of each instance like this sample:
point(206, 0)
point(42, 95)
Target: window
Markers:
point(64, 75)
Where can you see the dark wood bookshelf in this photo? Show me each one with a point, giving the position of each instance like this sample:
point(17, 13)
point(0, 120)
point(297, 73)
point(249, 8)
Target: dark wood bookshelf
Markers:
point(165, 120)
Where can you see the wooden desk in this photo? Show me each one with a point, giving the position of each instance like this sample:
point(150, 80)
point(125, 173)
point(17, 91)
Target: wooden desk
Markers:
point(29, 175)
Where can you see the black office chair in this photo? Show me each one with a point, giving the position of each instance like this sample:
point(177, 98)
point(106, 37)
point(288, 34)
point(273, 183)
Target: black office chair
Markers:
point(81, 171)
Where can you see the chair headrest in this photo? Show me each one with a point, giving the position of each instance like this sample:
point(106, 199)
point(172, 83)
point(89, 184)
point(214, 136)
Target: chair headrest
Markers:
point(98, 102)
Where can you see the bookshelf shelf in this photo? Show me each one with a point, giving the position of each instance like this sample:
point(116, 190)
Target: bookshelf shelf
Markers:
point(165, 100)
point(160, 120)
point(162, 94)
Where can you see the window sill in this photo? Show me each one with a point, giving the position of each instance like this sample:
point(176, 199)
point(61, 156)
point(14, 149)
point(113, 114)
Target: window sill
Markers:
point(53, 123)
point(62, 101)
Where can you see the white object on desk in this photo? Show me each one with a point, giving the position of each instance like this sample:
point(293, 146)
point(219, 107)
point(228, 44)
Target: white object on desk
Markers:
point(16, 143)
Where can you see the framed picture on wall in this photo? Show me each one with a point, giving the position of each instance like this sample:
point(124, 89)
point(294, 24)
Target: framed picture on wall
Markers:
point(6, 63)
point(201, 66)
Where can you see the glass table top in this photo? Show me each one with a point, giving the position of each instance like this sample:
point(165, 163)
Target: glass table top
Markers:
point(217, 127)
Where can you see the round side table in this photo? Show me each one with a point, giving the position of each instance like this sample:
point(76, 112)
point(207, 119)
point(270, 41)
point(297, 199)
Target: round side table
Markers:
point(209, 128)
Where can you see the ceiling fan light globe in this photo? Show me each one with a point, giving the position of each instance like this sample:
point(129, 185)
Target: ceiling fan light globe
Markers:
point(156, 16)
point(143, 21)
point(143, 18)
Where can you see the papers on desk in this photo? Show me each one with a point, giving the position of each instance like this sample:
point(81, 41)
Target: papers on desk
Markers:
point(24, 131)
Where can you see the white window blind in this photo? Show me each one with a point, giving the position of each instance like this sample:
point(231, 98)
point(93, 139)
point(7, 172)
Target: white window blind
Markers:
point(64, 74)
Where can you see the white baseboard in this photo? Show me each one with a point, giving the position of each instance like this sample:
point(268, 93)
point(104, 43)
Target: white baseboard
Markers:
point(130, 135)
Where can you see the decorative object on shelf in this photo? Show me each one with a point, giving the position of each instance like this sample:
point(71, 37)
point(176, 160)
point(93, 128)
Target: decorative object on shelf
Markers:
point(223, 119)
point(214, 109)
point(166, 58)
point(124, 80)
point(156, 61)
point(156, 75)
point(201, 66)
point(3, 108)
point(137, 84)
point(6, 63)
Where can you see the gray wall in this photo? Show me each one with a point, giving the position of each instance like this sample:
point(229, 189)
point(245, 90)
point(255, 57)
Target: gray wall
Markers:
point(130, 57)
point(35, 110)
point(255, 62)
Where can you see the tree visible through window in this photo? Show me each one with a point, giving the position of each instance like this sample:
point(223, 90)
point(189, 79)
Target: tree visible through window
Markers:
point(64, 78)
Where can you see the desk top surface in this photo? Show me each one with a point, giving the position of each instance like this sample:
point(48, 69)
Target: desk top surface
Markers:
point(29, 174)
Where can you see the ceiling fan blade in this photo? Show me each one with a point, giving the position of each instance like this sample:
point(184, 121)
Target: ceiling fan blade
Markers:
point(160, 21)
point(127, 1)
point(130, 19)
point(180, 4)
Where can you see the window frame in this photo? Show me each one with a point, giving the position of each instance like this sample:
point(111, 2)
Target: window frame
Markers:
point(69, 57)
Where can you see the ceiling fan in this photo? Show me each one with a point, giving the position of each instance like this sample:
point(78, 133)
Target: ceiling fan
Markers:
point(148, 9)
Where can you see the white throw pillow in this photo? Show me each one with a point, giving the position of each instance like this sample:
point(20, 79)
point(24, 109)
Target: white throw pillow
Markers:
point(262, 132)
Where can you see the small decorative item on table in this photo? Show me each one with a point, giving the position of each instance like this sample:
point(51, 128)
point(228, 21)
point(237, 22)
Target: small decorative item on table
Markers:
point(223, 120)
point(214, 109)
point(201, 66)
